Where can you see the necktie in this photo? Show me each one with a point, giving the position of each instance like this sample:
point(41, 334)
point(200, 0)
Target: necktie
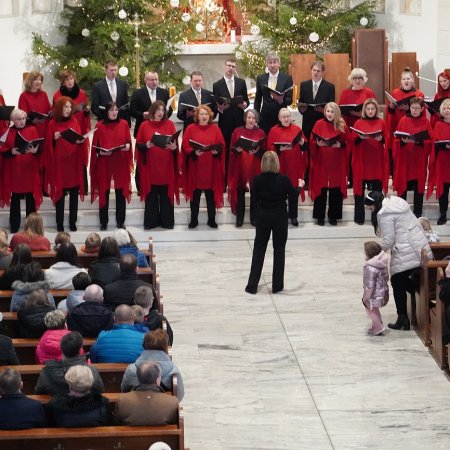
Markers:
point(112, 90)
point(273, 83)
point(199, 97)
point(231, 87)
point(152, 95)
point(315, 88)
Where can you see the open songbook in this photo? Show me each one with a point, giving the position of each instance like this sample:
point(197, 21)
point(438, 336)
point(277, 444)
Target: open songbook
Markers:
point(291, 144)
point(72, 136)
point(170, 102)
point(5, 112)
point(302, 107)
point(274, 91)
point(79, 107)
point(103, 107)
point(418, 137)
point(37, 115)
point(234, 101)
point(192, 107)
point(22, 144)
point(442, 145)
point(162, 140)
point(329, 142)
point(403, 101)
point(433, 105)
point(370, 134)
point(110, 150)
point(205, 148)
point(248, 144)
point(348, 108)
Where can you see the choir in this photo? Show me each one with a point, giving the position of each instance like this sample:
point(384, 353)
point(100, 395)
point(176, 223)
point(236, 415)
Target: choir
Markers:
point(45, 149)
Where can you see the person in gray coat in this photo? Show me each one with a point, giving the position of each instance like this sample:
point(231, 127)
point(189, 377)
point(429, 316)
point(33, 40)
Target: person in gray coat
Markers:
point(403, 235)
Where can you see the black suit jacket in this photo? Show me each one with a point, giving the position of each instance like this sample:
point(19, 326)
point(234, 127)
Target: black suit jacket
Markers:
point(188, 97)
point(266, 105)
point(101, 97)
point(140, 103)
point(325, 94)
point(233, 116)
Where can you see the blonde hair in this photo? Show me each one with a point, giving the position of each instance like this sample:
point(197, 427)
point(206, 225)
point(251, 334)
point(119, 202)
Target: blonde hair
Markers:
point(138, 313)
point(370, 101)
point(17, 113)
point(80, 379)
point(61, 236)
point(357, 72)
point(34, 226)
point(425, 223)
point(339, 123)
point(3, 244)
point(34, 75)
point(371, 249)
point(270, 162)
point(444, 104)
point(93, 240)
point(55, 320)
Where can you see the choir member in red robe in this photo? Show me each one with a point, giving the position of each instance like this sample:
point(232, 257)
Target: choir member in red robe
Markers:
point(111, 162)
point(158, 168)
point(293, 158)
point(20, 171)
point(244, 165)
point(443, 92)
point(70, 88)
point(64, 162)
point(329, 163)
point(4, 124)
point(203, 165)
point(370, 159)
point(439, 168)
point(411, 154)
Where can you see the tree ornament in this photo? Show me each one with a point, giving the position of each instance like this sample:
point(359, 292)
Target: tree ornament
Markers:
point(254, 29)
point(236, 1)
point(200, 28)
point(313, 37)
point(364, 21)
point(238, 55)
point(174, 3)
point(272, 3)
point(185, 17)
point(123, 71)
point(122, 14)
point(293, 21)
point(83, 63)
point(115, 36)
point(186, 80)
point(85, 32)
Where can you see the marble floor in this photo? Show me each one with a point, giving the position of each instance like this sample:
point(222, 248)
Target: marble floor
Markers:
point(295, 370)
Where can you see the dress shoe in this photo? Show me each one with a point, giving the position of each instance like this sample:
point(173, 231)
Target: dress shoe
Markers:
point(277, 289)
point(401, 324)
point(294, 221)
point(60, 227)
point(212, 223)
point(250, 290)
point(321, 222)
point(359, 222)
point(73, 227)
point(193, 224)
point(103, 227)
point(239, 223)
point(333, 222)
point(442, 220)
point(121, 226)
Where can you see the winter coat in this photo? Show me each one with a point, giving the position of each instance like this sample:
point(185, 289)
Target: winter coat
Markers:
point(375, 281)
point(444, 295)
point(8, 354)
point(18, 412)
point(140, 257)
point(89, 318)
point(23, 289)
point(49, 346)
point(168, 368)
point(31, 321)
point(105, 270)
point(60, 275)
point(402, 234)
point(74, 298)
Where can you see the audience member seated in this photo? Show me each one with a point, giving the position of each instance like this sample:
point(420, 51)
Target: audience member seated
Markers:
point(5, 253)
point(138, 317)
point(444, 295)
point(17, 411)
point(21, 257)
point(31, 316)
point(145, 297)
point(80, 282)
point(80, 407)
point(122, 291)
point(127, 244)
point(92, 243)
point(105, 269)
point(122, 344)
point(61, 236)
point(159, 446)
point(32, 279)
point(8, 356)
point(51, 380)
point(32, 235)
point(49, 346)
point(60, 274)
point(91, 316)
point(139, 408)
point(156, 348)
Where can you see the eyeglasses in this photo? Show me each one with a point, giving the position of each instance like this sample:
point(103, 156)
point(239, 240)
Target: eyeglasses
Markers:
point(357, 78)
point(415, 108)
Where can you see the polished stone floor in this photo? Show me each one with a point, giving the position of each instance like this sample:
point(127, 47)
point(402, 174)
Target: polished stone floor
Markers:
point(295, 370)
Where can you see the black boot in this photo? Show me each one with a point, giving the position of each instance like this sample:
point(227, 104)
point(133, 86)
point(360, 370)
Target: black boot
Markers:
point(401, 324)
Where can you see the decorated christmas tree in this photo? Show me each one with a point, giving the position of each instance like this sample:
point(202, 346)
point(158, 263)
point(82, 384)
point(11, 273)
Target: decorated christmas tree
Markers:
point(298, 26)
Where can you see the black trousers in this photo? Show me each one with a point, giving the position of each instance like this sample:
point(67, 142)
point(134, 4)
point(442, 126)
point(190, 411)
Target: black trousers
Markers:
point(73, 206)
point(266, 223)
point(401, 284)
point(121, 208)
point(14, 209)
point(335, 201)
point(412, 185)
point(210, 204)
point(371, 185)
point(240, 209)
point(158, 208)
point(443, 200)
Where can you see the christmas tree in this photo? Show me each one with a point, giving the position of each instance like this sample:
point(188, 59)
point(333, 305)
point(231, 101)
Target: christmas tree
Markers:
point(291, 27)
point(138, 34)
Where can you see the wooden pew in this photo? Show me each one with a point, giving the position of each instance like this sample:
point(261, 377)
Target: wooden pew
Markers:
point(99, 438)
point(5, 297)
point(440, 250)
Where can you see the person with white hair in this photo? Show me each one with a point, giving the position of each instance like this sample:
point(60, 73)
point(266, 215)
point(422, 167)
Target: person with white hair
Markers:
point(159, 446)
point(127, 244)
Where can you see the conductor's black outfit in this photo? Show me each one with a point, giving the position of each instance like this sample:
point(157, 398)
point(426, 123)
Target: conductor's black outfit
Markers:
point(271, 191)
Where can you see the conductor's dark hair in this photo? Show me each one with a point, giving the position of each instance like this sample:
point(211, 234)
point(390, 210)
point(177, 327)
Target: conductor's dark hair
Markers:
point(374, 198)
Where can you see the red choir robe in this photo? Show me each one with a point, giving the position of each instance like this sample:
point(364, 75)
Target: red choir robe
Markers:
point(328, 164)
point(64, 161)
point(294, 162)
point(20, 173)
point(4, 124)
point(38, 102)
point(439, 165)
point(393, 116)
point(411, 160)
point(350, 96)
point(83, 118)
point(205, 171)
point(370, 159)
point(244, 166)
point(116, 167)
point(157, 166)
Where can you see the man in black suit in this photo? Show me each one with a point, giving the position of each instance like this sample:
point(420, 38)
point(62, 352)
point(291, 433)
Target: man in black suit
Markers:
point(231, 116)
point(142, 99)
point(268, 103)
point(193, 97)
point(110, 89)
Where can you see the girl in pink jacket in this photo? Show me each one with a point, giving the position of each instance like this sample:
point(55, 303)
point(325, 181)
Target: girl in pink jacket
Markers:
point(375, 284)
